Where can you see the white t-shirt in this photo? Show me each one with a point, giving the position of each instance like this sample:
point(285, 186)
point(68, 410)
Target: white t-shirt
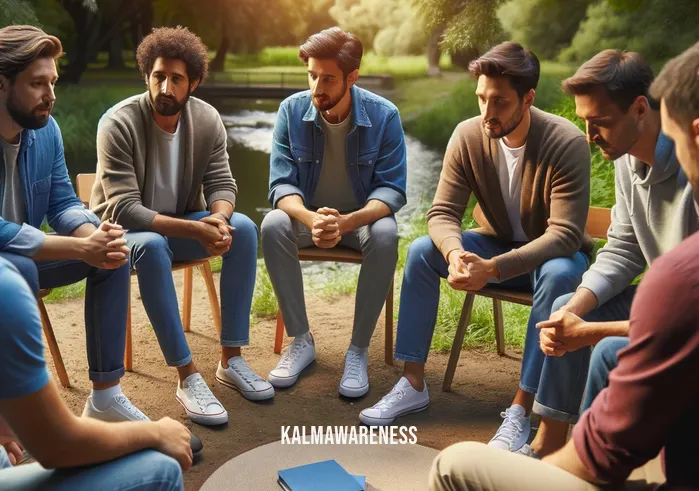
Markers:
point(13, 207)
point(166, 154)
point(510, 173)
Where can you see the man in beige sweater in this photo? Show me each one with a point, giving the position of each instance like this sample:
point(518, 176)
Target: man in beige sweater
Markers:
point(163, 174)
point(530, 172)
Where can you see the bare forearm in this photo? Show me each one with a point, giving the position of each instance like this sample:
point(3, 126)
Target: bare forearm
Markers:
point(222, 206)
point(58, 248)
point(84, 230)
point(174, 227)
point(596, 331)
point(582, 303)
point(374, 210)
point(567, 459)
point(293, 206)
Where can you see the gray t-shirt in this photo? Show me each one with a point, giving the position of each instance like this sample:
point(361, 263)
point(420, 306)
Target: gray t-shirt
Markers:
point(334, 187)
point(13, 207)
point(166, 159)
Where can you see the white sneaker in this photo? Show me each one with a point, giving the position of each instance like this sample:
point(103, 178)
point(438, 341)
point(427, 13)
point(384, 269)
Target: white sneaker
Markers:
point(355, 380)
point(297, 356)
point(514, 431)
point(240, 377)
point(120, 409)
point(199, 402)
point(528, 451)
point(402, 400)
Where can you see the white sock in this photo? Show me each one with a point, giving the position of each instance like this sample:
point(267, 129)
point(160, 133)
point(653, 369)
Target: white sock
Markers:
point(103, 397)
point(305, 337)
point(361, 351)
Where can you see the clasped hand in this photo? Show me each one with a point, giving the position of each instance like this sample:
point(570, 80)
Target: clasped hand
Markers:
point(468, 271)
point(328, 227)
point(563, 332)
point(215, 235)
point(106, 247)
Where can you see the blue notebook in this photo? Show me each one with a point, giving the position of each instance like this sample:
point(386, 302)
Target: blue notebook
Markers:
point(321, 476)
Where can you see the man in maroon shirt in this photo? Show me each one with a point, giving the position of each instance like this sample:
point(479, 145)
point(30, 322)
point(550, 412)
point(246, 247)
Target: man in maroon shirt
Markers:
point(652, 400)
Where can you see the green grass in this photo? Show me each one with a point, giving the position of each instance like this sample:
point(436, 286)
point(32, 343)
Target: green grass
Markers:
point(76, 290)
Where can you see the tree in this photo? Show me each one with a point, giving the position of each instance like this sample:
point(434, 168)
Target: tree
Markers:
point(14, 12)
point(544, 26)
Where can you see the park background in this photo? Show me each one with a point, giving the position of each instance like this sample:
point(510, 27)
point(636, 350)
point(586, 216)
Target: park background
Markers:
point(422, 46)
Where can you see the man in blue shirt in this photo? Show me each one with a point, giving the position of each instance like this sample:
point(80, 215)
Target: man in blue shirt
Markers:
point(34, 184)
point(72, 453)
point(337, 176)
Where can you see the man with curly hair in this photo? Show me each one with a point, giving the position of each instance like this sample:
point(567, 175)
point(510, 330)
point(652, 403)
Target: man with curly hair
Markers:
point(163, 174)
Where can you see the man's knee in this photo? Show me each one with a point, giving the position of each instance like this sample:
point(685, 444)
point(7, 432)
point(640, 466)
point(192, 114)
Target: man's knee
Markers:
point(561, 272)
point(384, 236)
point(26, 267)
point(605, 352)
point(275, 224)
point(245, 233)
point(457, 466)
point(148, 245)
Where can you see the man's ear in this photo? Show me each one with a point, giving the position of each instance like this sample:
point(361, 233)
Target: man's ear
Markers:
point(194, 85)
point(695, 132)
point(352, 78)
point(529, 98)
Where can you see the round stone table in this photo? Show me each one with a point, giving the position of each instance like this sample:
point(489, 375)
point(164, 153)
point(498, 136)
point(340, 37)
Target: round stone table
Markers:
point(386, 467)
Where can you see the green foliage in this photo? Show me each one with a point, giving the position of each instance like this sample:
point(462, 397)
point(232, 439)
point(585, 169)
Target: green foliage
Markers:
point(653, 28)
point(76, 290)
point(469, 23)
point(264, 300)
point(544, 26)
point(17, 12)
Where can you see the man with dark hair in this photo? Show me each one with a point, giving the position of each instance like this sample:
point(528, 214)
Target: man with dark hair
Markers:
point(654, 212)
point(530, 172)
point(650, 405)
point(337, 176)
point(157, 152)
point(34, 184)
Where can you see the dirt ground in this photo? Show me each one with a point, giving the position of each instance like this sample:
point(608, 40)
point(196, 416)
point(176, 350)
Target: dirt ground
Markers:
point(483, 385)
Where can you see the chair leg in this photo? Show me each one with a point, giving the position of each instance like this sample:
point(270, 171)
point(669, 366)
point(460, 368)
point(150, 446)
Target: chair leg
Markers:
point(499, 326)
point(128, 354)
point(53, 346)
point(205, 270)
point(279, 334)
point(388, 355)
point(187, 301)
point(464, 321)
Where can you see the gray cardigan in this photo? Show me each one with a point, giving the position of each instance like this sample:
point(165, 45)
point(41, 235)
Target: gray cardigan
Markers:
point(124, 174)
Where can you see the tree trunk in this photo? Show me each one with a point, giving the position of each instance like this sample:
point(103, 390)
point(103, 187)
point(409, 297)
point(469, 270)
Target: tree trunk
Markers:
point(434, 52)
point(87, 24)
point(218, 63)
point(116, 55)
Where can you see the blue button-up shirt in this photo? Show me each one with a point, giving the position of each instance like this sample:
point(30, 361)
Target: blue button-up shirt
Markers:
point(48, 192)
point(376, 154)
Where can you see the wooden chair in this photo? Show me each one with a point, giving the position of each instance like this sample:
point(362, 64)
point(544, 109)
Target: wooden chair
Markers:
point(84, 185)
point(51, 340)
point(341, 254)
point(598, 222)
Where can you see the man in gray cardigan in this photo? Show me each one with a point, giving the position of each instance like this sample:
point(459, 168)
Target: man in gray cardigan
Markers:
point(654, 212)
point(163, 174)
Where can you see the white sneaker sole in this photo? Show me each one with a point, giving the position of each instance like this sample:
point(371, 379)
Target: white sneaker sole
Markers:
point(369, 421)
point(284, 382)
point(353, 392)
point(204, 419)
point(250, 395)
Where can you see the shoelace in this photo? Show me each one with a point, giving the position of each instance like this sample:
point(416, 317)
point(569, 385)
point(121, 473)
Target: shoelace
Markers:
point(245, 372)
point(202, 394)
point(353, 366)
point(130, 408)
point(291, 354)
point(396, 394)
point(506, 432)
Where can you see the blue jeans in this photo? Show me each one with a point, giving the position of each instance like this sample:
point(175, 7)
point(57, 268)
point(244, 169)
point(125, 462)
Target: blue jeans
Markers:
point(147, 470)
point(604, 359)
point(419, 299)
point(152, 255)
point(563, 377)
point(105, 307)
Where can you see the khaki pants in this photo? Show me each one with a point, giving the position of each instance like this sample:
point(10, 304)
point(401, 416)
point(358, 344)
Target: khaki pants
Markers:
point(476, 467)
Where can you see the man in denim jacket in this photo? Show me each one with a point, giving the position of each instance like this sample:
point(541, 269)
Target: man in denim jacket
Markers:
point(34, 184)
point(337, 176)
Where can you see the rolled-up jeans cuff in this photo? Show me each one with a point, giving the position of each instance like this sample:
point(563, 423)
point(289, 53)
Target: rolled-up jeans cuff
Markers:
point(556, 414)
point(180, 363)
point(527, 388)
point(107, 376)
point(413, 359)
point(235, 344)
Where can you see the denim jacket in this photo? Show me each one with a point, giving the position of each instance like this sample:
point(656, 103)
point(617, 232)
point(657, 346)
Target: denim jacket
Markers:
point(48, 192)
point(376, 154)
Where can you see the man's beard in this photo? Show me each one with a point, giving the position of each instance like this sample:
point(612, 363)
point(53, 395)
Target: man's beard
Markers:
point(328, 103)
point(164, 108)
point(504, 130)
point(28, 119)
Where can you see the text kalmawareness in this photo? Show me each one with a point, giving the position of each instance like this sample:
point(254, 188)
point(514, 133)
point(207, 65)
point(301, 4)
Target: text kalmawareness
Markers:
point(349, 435)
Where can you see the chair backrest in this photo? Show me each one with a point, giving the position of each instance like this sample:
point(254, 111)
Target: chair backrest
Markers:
point(598, 220)
point(83, 186)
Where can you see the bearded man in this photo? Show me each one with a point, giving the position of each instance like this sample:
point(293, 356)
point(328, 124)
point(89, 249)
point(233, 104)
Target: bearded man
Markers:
point(337, 176)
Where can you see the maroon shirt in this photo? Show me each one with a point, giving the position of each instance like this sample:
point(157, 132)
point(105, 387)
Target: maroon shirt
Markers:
point(652, 401)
